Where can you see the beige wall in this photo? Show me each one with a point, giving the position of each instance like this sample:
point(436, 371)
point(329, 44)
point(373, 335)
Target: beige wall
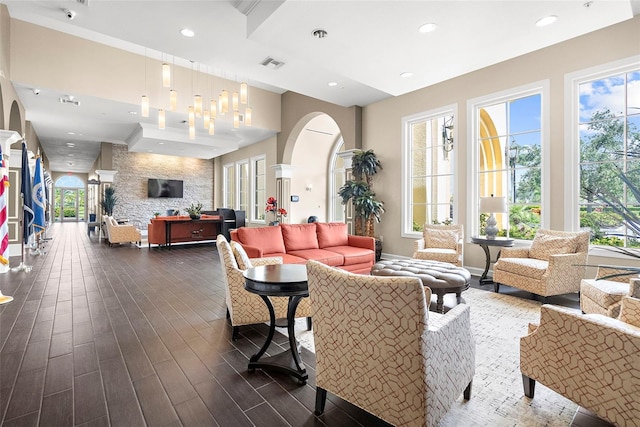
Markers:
point(382, 121)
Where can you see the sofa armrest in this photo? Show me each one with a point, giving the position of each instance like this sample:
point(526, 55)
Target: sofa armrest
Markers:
point(256, 262)
point(362, 242)
point(252, 251)
point(124, 233)
point(418, 245)
point(630, 311)
point(565, 272)
point(514, 253)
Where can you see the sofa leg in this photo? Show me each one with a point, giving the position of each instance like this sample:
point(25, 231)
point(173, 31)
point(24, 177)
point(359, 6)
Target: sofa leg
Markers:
point(309, 323)
point(529, 386)
point(467, 391)
point(496, 287)
point(234, 333)
point(228, 314)
point(321, 399)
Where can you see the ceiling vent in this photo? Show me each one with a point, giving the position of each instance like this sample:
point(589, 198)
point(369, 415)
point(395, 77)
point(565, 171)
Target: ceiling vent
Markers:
point(83, 2)
point(69, 100)
point(271, 63)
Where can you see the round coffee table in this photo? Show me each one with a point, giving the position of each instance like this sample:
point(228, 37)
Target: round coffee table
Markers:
point(441, 277)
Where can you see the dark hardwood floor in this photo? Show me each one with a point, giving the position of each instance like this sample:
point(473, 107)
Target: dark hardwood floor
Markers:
point(122, 336)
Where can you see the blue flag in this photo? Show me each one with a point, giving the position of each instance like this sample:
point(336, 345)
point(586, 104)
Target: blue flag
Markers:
point(38, 199)
point(25, 189)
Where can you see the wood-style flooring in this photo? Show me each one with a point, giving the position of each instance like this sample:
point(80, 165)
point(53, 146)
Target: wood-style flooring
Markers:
point(123, 336)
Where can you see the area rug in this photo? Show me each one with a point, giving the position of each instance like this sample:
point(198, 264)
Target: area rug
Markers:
point(498, 321)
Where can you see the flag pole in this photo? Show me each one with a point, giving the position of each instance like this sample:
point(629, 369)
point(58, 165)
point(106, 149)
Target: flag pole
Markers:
point(23, 266)
point(25, 186)
point(4, 228)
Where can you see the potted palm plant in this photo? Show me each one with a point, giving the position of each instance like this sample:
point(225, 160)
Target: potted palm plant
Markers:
point(358, 191)
point(109, 200)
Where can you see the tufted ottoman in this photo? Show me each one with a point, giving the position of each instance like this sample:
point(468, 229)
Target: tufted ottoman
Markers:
point(441, 277)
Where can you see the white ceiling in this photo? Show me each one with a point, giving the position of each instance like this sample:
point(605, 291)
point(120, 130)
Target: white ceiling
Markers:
point(369, 44)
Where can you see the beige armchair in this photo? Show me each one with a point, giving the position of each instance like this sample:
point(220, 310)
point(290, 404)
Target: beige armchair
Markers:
point(243, 307)
point(440, 243)
point(591, 359)
point(603, 295)
point(117, 233)
point(378, 346)
point(554, 265)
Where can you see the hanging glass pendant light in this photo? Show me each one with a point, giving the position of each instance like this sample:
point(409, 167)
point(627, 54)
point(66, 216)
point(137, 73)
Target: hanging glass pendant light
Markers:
point(192, 116)
point(247, 116)
point(235, 102)
point(206, 118)
point(243, 93)
point(214, 109)
point(236, 120)
point(144, 106)
point(173, 100)
point(166, 75)
point(161, 119)
point(197, 102)
point(224, 102)
point(212, 127)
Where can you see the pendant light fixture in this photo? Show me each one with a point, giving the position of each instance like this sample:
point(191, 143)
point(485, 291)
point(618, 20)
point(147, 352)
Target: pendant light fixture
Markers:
point(161, 119)
point(212, 127)
point(192, 117)
point(243, 93)
point(235, 101)
point(236, 120)
point(214, 109)
point(144, 101)
point(224, 102)
point(247, 116)
point(206, 118)
point(166, 75)
point(197, 103)
point(173, 100)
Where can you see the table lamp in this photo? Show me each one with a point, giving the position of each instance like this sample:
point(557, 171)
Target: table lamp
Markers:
point(492, 205)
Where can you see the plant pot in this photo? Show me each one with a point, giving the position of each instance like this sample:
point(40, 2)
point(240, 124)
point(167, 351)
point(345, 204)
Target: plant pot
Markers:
point(274, 223)
point(194, 216)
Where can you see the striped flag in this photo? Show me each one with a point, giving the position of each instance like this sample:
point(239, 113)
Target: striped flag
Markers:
point(25, 189)
point(38, 198)
point(4, 225)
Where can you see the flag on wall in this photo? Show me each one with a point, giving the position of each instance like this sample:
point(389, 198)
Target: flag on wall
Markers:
point(4, 224)
point(38, 198)
point(25, 189)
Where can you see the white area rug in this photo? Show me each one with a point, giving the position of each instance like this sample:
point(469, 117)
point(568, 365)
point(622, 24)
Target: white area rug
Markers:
point(497, 399)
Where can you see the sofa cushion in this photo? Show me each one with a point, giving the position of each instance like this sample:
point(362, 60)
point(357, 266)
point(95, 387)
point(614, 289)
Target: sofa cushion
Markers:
point(354, 255)
point(544, 245)
point(332, 234)
point(299, 236)
point(269, 239)
point(241, 256)
point(332, 259)
point(528, 267)
point(287, 258)
point(442, 239)
point(438, 254)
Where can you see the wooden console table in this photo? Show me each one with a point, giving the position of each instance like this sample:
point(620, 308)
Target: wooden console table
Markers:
point(191, 230)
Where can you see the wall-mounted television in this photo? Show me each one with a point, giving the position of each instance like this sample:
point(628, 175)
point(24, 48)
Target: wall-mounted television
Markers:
point(164, 188)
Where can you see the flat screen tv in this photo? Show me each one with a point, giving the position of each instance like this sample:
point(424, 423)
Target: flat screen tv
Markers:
point(164, 188)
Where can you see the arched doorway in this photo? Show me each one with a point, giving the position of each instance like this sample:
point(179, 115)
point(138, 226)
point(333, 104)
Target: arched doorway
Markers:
point(69, 199)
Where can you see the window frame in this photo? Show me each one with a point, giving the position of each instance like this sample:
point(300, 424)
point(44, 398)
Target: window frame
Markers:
point(225, 185)
point(572, 82)
point(407, 196)
point(473, 105)
point(238, 166)
point(253, 202)
point(332, 172)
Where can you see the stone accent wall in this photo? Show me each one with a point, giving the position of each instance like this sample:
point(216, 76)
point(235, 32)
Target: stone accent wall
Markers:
point(134, 169)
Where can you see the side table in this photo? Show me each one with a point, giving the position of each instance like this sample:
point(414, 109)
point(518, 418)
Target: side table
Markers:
point(484, 243)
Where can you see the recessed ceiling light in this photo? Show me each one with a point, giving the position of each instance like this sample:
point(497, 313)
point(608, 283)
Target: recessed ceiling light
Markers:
point(428, 27)
point(70, 144)
point(406, 74)
point(319, 33)
point(71, 133)
point(187, 32)
point(333, 84)
point(547, 20)
point(161, 143)
point(133, 113)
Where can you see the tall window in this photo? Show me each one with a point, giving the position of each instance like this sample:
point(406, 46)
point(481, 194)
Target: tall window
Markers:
point(243, 185)
point(337, 179)
point(229, 182)
point(609, 165)
point(259, 188)
point(429, 169)
point(509, 139)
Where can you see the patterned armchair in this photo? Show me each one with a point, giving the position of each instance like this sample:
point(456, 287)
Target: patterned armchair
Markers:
point(604, 296)
point(243, 307)
point(591, 359)
point(440, 243)
point(379, 348)
point(554, 265)
point(117, 233)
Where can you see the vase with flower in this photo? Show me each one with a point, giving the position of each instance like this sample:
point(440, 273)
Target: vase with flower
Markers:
point(278, 213)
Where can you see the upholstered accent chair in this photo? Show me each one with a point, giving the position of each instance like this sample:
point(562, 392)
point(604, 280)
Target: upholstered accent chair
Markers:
point(243, 307)
point(603, 295)
point(117, 233)
point(378, 346)
point(440, 243)
point(553, 265)
point(591, 359)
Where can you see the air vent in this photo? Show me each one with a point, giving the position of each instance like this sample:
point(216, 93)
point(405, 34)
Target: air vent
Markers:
point(69, 100)
point(83, 2)
point(271, 63)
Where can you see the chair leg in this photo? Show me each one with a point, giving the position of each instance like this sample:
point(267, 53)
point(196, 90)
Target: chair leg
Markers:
point(496, 287)
point(529, 386)
point(467, 391)
point(228, 314)
point(309, 323)
point(321, 399)
point(234, 333)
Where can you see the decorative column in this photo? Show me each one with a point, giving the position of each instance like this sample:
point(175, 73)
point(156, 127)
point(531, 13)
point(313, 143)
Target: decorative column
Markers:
point(346, 157)
point(284, 173)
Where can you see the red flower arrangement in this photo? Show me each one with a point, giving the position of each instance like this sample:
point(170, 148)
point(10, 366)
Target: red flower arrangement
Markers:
point(272, 206)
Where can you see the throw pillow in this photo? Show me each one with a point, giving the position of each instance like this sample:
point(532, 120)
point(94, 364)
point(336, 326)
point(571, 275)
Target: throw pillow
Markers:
point(299, 237)
point(332, 234)
point(441, 239)
point(241, 256)
point(544, 245)
point(269, 239)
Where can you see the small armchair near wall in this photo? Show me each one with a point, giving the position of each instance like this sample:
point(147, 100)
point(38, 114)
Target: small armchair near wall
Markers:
point(554, 265)
point(117, 233)
point(442, 243)
point(603, 295)
point(591, 359)
point(243, 307)
point(378, 346)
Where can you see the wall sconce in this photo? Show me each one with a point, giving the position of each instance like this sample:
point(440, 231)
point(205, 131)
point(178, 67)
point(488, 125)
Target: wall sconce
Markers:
point(309, 187)
point(447, 137)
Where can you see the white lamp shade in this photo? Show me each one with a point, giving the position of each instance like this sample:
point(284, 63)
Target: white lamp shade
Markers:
point(493, 204)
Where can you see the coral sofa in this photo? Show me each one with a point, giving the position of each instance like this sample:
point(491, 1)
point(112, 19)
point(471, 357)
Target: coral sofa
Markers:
point(328, 243)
